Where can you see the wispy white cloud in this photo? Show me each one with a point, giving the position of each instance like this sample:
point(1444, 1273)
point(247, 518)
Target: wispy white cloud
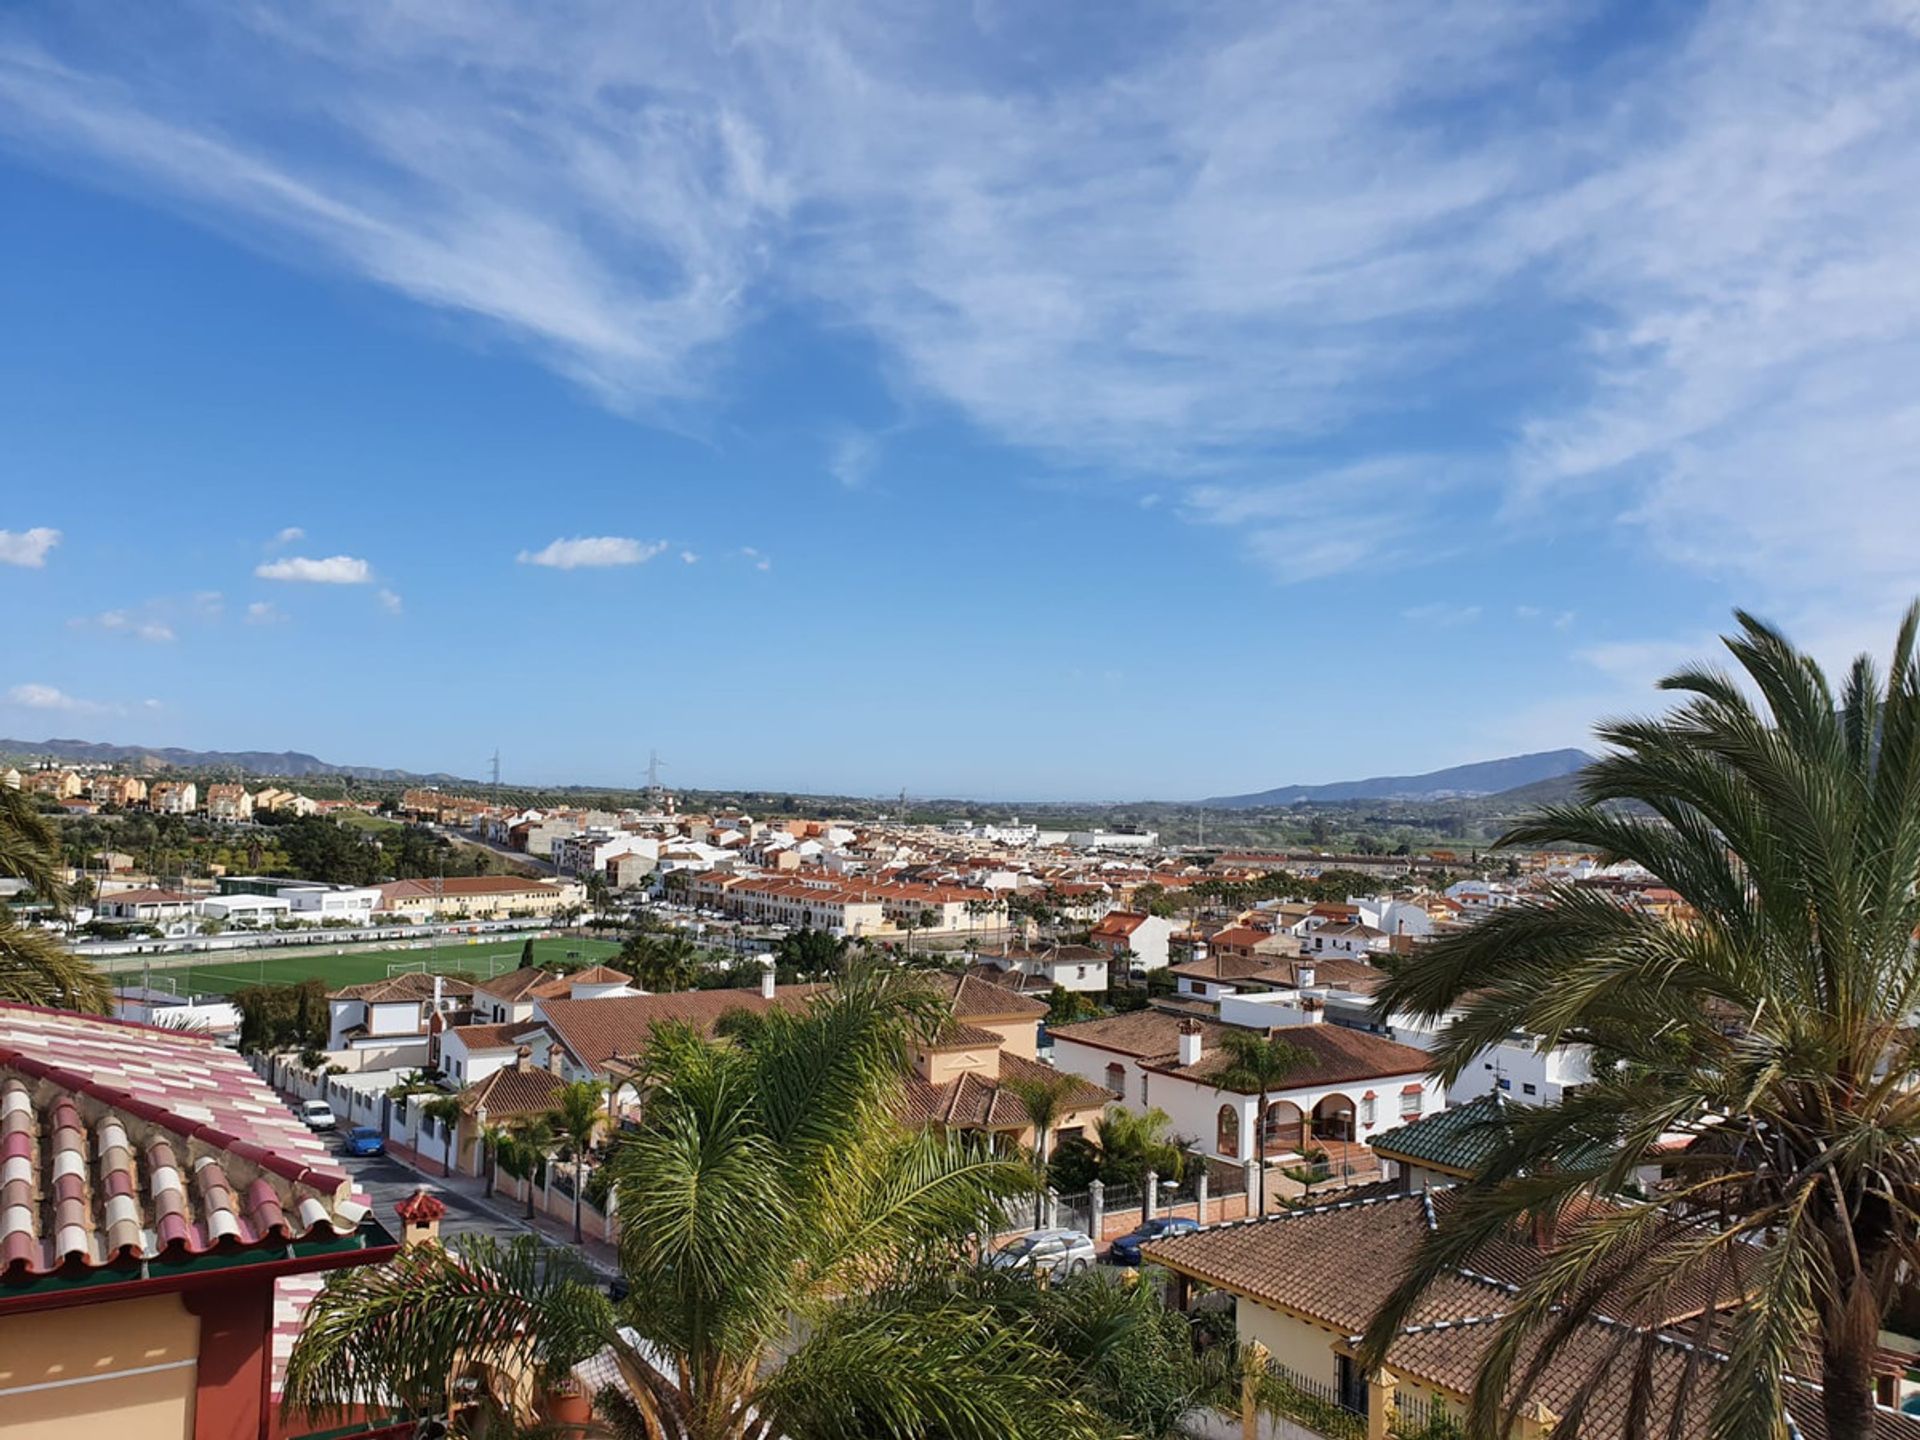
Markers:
point(334, 570)
point(34, 696)
point(756, 558)
point(265, 612)
point(852, 456)
point(1439, 612)
point(687, 557)
point(1210, 259)
point(286, 537)
point(593, 551)
point(391, 602)
point(27, 547)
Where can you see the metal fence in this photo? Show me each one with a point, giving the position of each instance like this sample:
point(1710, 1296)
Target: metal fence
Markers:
point(1423, 1417)
point(1312, 1403)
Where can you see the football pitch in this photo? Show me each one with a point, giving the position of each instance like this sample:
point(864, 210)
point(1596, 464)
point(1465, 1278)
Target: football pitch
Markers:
point(480, 958)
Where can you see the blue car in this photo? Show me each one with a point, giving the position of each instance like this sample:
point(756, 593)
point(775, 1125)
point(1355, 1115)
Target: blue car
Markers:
point(1126, 1249)
point(365, 1140)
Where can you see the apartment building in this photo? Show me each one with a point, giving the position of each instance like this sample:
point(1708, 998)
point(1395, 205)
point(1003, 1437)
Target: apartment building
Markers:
point(173, 797)
point(477, 897)
point(229, 802)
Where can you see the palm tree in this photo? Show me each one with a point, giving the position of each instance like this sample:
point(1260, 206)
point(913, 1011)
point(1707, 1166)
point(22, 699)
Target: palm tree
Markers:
point(1769, 1029)
point(1133, 1143)
point(525, 1150)
point(497, 1312)
point(782, 1241)
point(1257, 1064)
point(35, 967)
point(445, 1110)
point(662, 963)
point(1044, 1099)
point(576, 1118)
point(492, 1137)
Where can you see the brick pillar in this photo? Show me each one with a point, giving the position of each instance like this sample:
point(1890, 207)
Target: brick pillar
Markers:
point(1096, 1208)
point(1253, 1366)
point(1150, 1197)
point(1253, 1187)
point(1200, 1194)
point(1380, 1397)
point(1052, 1207)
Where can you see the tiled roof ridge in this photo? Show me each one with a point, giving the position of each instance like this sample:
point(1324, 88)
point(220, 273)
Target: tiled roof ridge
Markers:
point(171, 1032)
point(1307, 1212)
point(186, 1128)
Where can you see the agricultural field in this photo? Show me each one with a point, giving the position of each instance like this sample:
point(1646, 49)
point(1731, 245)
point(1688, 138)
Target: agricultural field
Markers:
point(223, 975)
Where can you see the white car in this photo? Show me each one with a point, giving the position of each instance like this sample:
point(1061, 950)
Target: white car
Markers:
point(318, 1115)
point(1055, 1253)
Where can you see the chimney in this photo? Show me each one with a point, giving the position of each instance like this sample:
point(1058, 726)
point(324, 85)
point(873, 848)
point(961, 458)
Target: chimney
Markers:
point(553, 1059)
point(1305, 975)
point(1189, 1042)
point(420, 1215)
point(523, 1058)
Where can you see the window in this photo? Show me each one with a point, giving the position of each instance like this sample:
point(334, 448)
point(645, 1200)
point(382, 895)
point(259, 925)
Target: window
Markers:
point(1366, 1108)
point(1117, 1078)
point(1531, 1089)
point(1143, 1088)
point(1505, 1084)
point(1226, 1137)
point(1411, 1100)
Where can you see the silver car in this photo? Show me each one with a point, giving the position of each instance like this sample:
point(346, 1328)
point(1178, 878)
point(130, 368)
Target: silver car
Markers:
point(1054, 1253)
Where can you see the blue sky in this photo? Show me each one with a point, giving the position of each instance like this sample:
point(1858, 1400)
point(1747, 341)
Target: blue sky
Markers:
point(1124, 402)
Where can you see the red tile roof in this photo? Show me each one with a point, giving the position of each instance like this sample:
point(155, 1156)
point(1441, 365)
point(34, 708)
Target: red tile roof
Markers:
point(121, 1140)
point(1333, 1054)
point(595, 1031)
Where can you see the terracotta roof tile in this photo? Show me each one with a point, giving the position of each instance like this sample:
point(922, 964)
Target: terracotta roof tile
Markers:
point(595, 1031)
point(121, 1140)
point(974, 998)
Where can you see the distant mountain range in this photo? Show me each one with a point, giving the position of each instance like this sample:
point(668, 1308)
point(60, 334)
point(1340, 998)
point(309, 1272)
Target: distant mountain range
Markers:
point(1486, 777)
point(290, 763)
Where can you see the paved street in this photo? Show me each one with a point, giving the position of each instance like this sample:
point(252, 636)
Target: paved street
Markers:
point(388, 1182)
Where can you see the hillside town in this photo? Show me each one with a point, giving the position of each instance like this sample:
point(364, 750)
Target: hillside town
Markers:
point(751, 720)
point(1185, 1043)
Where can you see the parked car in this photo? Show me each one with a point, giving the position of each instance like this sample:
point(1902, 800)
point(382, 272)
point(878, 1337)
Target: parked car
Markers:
point(365, 1140)
point(1056, 1253)
point(318, 1115)
point(1126, 1249)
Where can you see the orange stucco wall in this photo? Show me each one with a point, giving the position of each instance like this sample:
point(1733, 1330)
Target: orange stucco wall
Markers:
point(66, 1373)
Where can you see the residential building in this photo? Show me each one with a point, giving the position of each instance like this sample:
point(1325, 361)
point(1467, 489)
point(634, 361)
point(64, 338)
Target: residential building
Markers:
point(1349, 1085)
point(387, 1022)
point(173, 797)
point(229, 802)
point(1130, 932)
point(161, 1214)
point(1350, 941)
point(147, 906)
point(120, 790)
point(1307, 1283)
point(463, 897)
point(53, 784)
point(1081, 968)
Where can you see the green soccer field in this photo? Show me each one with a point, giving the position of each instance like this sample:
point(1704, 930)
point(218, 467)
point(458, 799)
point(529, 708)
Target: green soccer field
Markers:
point(483, 958)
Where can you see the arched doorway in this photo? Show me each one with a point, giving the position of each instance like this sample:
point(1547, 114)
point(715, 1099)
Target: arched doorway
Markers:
point(1226, 1139)
point(1283, 1129)
point(1333, 1118)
